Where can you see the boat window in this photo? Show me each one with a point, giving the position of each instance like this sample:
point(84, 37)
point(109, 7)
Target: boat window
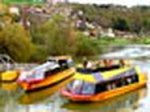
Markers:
point(69, 86)
point(127, 80)
point(1, 61)
point(46, 66)
point(31, 75)
point(88, 88)
point(130, 78)
point(100, 87)
point(63, 64)
point(5, 59)
point(76, 86)
point(134, 78)
point(81, 87)
point(38, 75)
point(46, 69)
point(70, 63)
point(111, 85)
point(85, 71)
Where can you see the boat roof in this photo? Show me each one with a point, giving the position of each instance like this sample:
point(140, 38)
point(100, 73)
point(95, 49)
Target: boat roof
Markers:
point(106, 76)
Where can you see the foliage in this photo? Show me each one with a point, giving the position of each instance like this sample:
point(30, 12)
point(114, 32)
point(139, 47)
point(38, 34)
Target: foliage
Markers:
point(120, 24)
point(86, 46)
point(39, 55)
point(134, 19)
point(15, 41)
point(145, 40)
point(57, 35)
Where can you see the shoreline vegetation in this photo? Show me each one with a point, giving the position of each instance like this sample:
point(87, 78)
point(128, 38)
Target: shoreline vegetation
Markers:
point(32, 33)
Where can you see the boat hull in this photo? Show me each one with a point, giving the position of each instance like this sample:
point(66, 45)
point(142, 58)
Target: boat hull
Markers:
point(34, 97)
point(104, 95)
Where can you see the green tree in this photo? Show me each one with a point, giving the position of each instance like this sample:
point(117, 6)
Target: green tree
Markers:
point(57, 35)
point(15, 41)
point(121, 24)
point(86, 46)
point(146, 24)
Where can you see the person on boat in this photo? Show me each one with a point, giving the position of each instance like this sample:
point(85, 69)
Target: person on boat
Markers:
point(86, 64)
point(89, 65)
point(108, 62)
point(122, 62)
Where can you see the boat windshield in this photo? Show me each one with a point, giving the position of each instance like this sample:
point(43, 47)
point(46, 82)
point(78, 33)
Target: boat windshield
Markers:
point(46, 66)
point(70, 62)
point(64, 63)
point(38, 73)
point(81, 87)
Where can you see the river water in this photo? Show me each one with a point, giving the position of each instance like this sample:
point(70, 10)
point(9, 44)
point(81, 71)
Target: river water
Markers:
point(48, 100)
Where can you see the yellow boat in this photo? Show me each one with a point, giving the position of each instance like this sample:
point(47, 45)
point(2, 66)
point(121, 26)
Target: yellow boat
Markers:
point(54, 71)
point(9, 76)
point(97, 86)
point(7, 73)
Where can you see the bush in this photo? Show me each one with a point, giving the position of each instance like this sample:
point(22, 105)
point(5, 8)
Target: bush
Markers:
point(39, 55)
point(57, 35)
point(121, 24)
point(15, 41)
point(86, 46)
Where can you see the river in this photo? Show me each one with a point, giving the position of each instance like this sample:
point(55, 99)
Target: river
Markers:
point(48, 100)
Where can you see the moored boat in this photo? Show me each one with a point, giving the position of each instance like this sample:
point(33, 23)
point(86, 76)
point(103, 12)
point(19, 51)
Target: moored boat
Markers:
point(9, 76)
point(51, 73)
point(8, 73)
point(99, 86)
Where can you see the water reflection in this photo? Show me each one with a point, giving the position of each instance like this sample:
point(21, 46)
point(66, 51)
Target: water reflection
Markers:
point(46, 101)
point(7, 97)
point(9, 86)
point(38, 96)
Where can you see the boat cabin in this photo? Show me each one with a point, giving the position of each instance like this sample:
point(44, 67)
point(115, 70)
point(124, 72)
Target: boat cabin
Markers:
point(102, 84)
point(50, 67)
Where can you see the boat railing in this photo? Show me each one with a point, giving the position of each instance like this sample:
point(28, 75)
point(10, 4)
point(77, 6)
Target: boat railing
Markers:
point(98, 69)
